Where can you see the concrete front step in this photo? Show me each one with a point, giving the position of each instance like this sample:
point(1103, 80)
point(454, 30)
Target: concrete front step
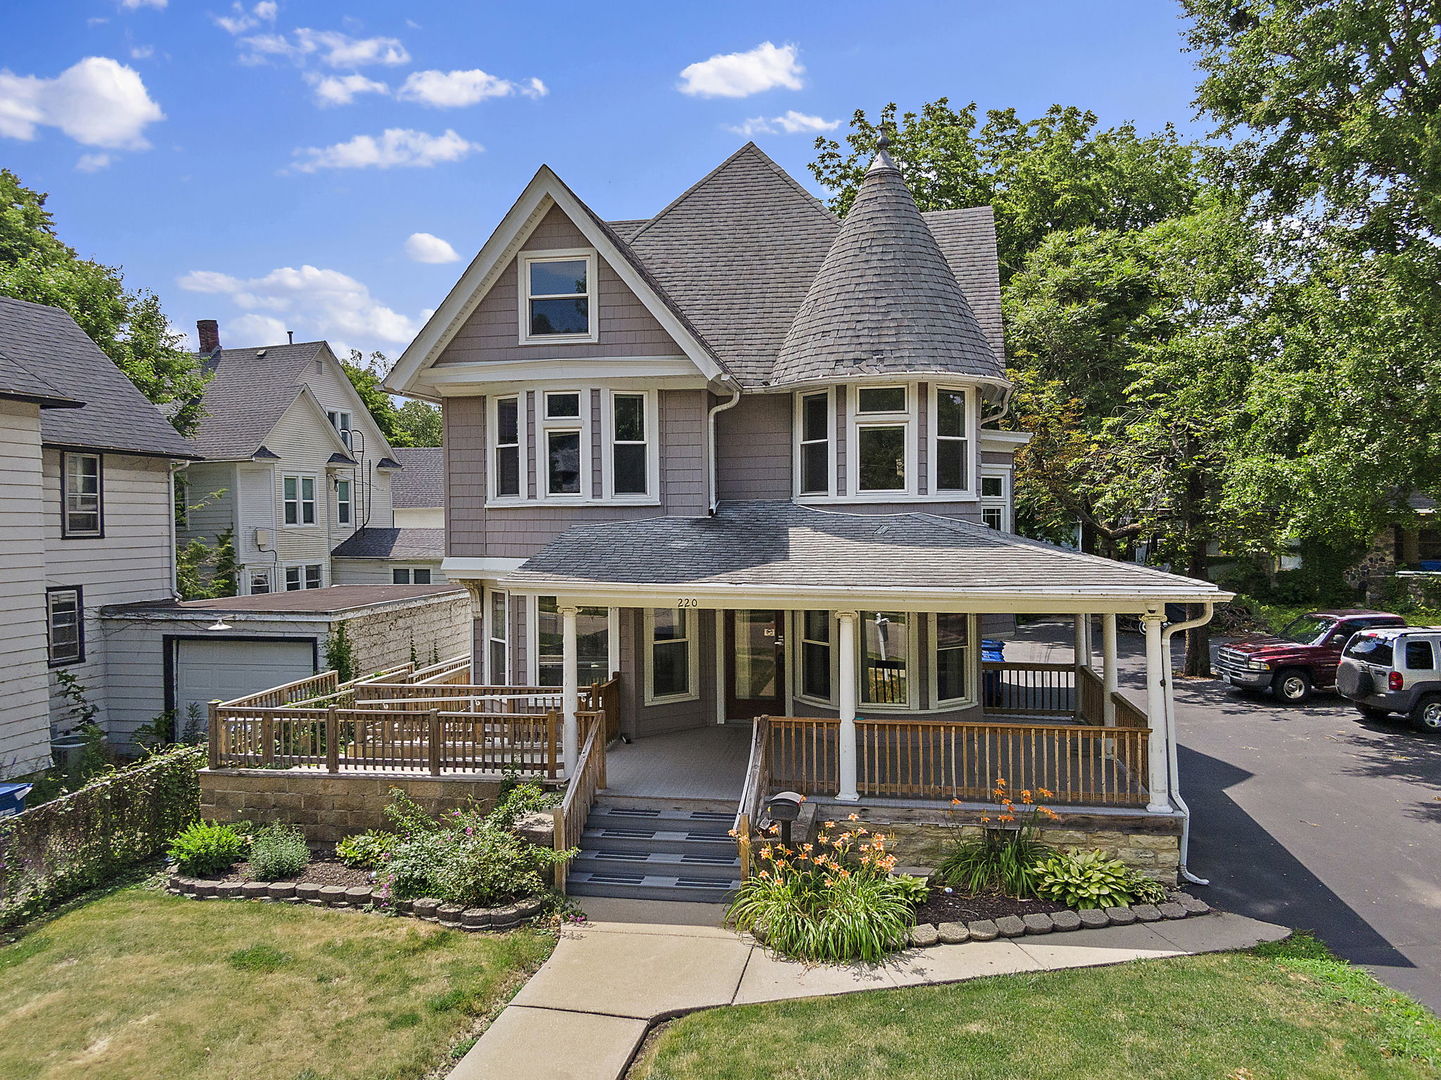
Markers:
point(638, 886)
point(659, 863)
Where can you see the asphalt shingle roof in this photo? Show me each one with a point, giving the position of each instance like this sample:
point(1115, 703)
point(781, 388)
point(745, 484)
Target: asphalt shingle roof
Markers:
point(18, 381)
point(368, 543)
point(774, 543)
point(421, 480)
point(47, 343)
point(247, 396)
point(967, 239)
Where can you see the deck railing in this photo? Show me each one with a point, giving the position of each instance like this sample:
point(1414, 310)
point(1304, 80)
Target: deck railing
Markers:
point(589, 776)
point(1090, 697)
point(1028, 689)
point(753, 791)
point(938, 760)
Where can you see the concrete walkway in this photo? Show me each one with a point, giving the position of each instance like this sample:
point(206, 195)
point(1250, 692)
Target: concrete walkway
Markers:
point(584, 1013)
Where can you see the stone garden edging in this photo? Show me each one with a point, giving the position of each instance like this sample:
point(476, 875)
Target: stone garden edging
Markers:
point(357, 897)
point(1181, 906)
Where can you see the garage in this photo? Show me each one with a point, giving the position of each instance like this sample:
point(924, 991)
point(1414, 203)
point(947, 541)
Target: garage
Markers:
point(224, 668)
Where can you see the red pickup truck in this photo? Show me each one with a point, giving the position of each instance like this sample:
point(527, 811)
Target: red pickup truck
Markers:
point(1301, 658)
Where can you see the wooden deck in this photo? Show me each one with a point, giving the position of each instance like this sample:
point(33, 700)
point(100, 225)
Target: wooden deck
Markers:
point(706, 763)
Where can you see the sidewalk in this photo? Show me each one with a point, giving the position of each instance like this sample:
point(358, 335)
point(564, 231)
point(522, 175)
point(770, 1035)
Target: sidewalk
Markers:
point(584, 1013)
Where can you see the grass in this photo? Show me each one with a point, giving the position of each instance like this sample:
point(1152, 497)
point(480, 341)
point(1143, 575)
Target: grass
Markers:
point(137, 984)
point(1289, 1011)
point(1276, 616)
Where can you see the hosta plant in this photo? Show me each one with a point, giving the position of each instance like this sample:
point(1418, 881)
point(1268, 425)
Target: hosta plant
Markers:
point(1085, 880)
point(1008, 850)
point(365, 851)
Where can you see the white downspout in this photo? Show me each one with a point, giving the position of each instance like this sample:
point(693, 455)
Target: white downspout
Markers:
point(712, 471)
point(1166, 635)
point(175, 467)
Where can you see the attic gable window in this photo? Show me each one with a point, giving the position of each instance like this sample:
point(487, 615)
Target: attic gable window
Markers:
point(558, 291)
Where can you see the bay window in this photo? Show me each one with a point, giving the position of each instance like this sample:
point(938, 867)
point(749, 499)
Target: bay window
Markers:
point(558, 289)
point(995, 502)
point(886, 658)
point(507, 424)
point(813, 445)
point(815, 655)
point(566, 454)
point(951, 643)
point(950, 443)
point(343, 506)
point(592, 644)
point(881, 427)
point(630, 432)
point(671, 670)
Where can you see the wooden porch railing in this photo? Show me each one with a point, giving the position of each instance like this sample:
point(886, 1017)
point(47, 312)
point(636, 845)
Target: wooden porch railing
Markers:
point(933, 759)
point(1127, 714)
point(1028, 689)
point(604, 697)
point(1090, 697)
point(753, 791)
point(589, 776)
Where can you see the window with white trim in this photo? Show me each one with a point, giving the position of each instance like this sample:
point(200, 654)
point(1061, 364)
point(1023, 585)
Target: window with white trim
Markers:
point(631, 445)
point(299, 500)
point(305, 576)
point(671, 673)
point(950, 440)
point(951, 670)
point(65, 625)
point(340, 420)
point(886, 658)
point(592, 644)
point(814, 469)
point(881, 426)
point(344, 509)
point(815, 655)
point(558, 289)
point(995, 500)
point(507, 423)
point(259, 582)
point(565, 443)
point(497, 638)
point(410, 575)
point(82, 514)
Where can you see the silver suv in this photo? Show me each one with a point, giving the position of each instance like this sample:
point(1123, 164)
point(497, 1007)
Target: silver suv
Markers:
point(1394, 669)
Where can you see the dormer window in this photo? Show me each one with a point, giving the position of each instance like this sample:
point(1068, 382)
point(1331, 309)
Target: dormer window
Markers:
point(558, 290)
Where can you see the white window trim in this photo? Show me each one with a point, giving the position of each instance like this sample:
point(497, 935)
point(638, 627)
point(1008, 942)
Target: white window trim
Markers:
point(410, 570)
point(348, 502)
point(523, 262)
point(1000, 502)
point(973, 666)
point(913, 620)
point(300, 501)
point(692, 639)
point(796, 635)
point(267, 575)
point(301, 567)
point(488, 629)
point(544, 426)
point(652, 448)
point(492, 428)
point(970, 491)
point(855, 422)
point(797, 426)
point(532, 639)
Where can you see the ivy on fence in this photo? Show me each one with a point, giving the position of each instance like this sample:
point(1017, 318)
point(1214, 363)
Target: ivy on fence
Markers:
point(82, 839)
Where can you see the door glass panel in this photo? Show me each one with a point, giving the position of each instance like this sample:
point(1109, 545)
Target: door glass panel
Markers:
point(756, 669)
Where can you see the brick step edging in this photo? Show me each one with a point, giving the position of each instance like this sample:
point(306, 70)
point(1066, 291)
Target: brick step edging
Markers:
point(1181, 906)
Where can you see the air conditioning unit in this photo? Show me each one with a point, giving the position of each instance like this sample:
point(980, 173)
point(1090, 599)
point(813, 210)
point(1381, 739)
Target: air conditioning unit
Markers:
point(262, 539)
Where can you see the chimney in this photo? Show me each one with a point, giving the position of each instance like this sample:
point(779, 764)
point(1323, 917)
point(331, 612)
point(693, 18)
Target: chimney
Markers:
point(208, 331)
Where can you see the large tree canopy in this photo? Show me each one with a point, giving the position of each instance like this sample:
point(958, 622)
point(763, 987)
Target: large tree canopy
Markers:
point(129, 326)
point(412, 423)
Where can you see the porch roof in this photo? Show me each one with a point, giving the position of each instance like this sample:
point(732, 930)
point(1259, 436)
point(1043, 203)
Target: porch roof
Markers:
point(779, 551)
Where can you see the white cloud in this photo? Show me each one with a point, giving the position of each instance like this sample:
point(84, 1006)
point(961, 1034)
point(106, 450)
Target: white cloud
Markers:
point(142, 52)
point(266, 10)
point(307, 299)
point(453, 89)
point(251, 331)
point(241, 19)
point(132, 5)
point(395, 147)
point(343, 89)
point(737, 75)
point(330, 47)
point(424, 247)
point(97, 102)
point(791, 123)
point(94, 162)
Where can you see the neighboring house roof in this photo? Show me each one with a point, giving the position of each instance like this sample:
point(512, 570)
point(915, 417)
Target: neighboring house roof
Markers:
point(885, 301)
point(368, 543)
point(115, 415)
point(331, 601)
point(968, 241)
point(18, 382)
point(247, 396)
point(421, 483)
point(775, 544)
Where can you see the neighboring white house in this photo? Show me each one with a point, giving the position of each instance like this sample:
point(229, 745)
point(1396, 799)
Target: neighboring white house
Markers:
point(410, 553)
point(86, 497)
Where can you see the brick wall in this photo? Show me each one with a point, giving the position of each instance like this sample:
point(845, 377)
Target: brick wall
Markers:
point(440, 627)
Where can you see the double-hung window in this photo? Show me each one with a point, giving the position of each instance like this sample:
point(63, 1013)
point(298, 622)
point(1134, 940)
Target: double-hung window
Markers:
point(886, 658)
point(950, 442)
point(410, 575)
point(259, 582)
point(951, 635)
point(559, 292)
point(671, 671)
point(813, 444)
point(82, 514)
point(299, 499)
point(815, 627)
point(631, 438)
point(592, 644)
point(882, 429)
point(307, 576)
point(507, 421)
point(64, 613)
point(995, 503)
point(340, 421)
point(497, 636)
point(344, 509)
point(566, 450)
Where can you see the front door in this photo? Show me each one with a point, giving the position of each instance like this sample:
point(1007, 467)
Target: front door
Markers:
point(756, 675)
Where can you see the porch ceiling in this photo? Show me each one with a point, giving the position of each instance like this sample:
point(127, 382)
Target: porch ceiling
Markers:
point(780, 554)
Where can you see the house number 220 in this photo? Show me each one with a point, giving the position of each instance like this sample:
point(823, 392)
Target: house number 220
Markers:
point(687, 601)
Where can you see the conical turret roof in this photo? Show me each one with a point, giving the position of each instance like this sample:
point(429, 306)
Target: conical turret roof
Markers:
point(885, 301)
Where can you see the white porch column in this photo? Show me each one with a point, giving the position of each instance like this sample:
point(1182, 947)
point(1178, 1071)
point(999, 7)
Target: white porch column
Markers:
point(570, 689)
point(1157, 675)
point(1082, 640)
point(846, 641)
point(1108, 668)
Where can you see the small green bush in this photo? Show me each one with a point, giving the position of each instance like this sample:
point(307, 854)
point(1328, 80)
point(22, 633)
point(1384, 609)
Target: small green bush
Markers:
point(995, 860)
point(916, 890)
point(1146, 890)
point(278, 852)
point(1088, 880)
point(366, 851)
point(207, 847)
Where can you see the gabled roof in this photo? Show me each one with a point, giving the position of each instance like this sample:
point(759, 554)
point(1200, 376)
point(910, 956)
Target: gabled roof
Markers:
point(421, 481)
point(248, 394)
point(369, 543)
point(19, 383)
point(46, 343)
point(885, 301)
point(967, 239)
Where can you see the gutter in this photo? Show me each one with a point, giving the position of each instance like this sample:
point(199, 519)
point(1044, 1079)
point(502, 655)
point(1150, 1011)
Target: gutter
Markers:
point(712, 471)
point(1171, 764)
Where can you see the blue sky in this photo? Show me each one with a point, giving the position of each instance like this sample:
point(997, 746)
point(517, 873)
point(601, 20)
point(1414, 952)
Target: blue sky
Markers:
point(269, 163)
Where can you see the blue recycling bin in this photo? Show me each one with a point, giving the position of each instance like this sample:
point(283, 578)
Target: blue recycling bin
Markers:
point(992, 649)
point(12, 798)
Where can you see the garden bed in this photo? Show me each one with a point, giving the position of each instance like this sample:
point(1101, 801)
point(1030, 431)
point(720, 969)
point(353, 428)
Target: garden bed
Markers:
point(1039, 917)
point(956, 905)
point(317, 871)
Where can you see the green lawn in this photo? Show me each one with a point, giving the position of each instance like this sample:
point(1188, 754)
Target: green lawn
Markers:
point(1283, 1012)
point(138, 985)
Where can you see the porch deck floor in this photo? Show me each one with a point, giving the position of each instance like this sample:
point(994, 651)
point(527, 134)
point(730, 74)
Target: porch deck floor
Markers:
point(705, 763)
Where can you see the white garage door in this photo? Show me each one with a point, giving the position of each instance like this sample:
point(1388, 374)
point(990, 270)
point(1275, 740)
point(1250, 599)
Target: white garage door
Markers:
point(206, 670)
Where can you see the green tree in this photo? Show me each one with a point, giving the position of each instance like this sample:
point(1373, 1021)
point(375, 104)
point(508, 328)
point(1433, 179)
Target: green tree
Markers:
point(129, 327)
point(412, 423)
point(418, 422)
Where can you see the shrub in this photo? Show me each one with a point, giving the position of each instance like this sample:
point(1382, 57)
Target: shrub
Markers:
point(278, 852)
point(1004, 857)
point(519, 799)
point(1088, 880)
point(1146, 890)
point(207, 847)
point(835, 900)
point(365, 851)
